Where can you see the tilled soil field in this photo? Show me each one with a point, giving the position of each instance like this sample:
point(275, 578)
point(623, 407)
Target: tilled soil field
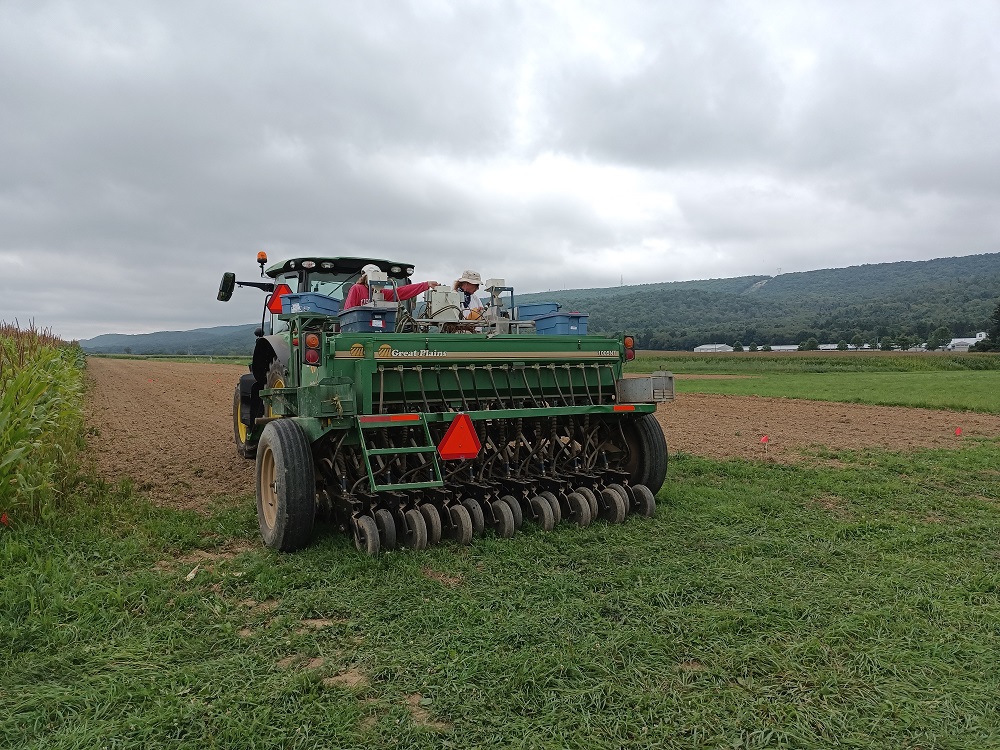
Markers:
point(168, 427)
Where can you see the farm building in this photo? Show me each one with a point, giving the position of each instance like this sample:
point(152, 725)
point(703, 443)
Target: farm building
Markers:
point(713, 348)
point(963, 344)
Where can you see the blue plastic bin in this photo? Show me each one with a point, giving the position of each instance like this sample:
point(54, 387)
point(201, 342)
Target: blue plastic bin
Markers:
point(535, 309)
point(368, 320)
point(561, 324)
point(309, 302)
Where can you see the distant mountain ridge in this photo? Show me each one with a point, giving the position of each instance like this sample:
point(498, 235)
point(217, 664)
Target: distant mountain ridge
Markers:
point(873, 301)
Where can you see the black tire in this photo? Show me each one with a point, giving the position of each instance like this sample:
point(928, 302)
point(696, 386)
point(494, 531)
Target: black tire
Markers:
point(579, 509)
point(645, 500)
point(240, 431)
point(504, 519)
point(626, 496)
point(515, 510)
point(476, 514)
point(461, 525)
point(591, 500)
point(414, 531)
point(433, 520)
point(286, 487)
point(556, 509)
point(647, 452)
point(612, 506)
point(386, 529)
point(366, 536)
point(543, 512)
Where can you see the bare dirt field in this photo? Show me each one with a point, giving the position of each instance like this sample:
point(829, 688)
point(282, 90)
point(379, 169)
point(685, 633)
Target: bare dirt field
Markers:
point(168, 427)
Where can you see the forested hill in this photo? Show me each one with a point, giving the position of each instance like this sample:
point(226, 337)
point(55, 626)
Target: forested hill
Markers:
point(873, 301)
point(911, 298)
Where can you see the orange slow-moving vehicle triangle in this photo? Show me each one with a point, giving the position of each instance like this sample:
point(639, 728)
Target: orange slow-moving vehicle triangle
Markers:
point(460, 440)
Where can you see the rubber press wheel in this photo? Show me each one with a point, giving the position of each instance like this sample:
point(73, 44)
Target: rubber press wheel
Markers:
point(286, 487)
point(579, 509)
point(543, 512)
point(591, 500)
point(414, 532)
point(461, 528)
point(515, 510)
point(476, 514)
point(433, 520)
point(645, 500)
point(386, 529)
point(366, 537)
point(504, 525)
point(626, 497)
point(554, 502)
point(612, 506)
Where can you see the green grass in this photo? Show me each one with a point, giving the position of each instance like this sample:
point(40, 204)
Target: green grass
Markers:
point(757, 363)
point(851, 603)
point(963, 391)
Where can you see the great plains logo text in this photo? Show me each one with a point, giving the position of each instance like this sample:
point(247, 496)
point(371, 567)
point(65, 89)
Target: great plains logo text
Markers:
point(387, 352)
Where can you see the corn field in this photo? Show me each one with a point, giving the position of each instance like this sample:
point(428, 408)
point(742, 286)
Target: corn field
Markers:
point(41, 420)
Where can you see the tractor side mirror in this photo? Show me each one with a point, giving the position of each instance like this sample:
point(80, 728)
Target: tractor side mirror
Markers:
point(226, 287)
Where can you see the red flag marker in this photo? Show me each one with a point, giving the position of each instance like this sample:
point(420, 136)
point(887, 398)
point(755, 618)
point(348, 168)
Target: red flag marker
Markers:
point(764, 440)
point(4, 520)
point(958, 431)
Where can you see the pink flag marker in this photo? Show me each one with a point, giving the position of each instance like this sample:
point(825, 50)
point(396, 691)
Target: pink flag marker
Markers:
point(958, 431)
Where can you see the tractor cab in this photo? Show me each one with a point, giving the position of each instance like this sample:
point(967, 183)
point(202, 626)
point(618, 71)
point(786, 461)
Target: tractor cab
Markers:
point(325, 281)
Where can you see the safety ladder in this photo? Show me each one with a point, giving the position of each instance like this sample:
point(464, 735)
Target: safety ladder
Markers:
point(395, 421)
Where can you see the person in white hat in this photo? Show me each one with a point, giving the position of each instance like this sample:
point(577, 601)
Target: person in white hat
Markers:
point(468, 284)
point(358, 294)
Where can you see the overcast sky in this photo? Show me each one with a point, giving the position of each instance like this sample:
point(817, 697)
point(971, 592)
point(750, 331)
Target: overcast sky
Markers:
point(146, 148)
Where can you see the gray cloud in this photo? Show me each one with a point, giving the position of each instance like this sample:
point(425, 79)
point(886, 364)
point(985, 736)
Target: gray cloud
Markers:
point(147, 147)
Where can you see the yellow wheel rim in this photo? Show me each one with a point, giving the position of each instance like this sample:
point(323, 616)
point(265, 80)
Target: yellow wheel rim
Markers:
point(278, 383)
point(242, 428)
point(268, 489)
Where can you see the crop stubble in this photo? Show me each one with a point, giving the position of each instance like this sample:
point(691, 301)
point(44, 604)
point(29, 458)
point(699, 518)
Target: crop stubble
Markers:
point(168, 427)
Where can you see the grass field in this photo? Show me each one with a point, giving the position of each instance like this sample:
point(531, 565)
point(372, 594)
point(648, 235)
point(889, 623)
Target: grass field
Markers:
point(850, 602)
point(764, 606)
point(940, 381)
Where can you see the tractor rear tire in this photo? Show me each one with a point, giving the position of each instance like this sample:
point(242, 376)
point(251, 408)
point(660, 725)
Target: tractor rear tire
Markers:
point(240, 431)
point(648, 452)
point(286, 487)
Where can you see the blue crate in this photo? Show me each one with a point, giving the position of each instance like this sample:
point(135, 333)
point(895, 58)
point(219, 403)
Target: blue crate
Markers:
point(368, 320)
point(562, 324)
point(309, 302)
point(535, 309)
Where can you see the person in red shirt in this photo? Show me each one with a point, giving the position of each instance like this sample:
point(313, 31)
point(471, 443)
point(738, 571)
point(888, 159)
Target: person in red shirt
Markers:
point(358, 294)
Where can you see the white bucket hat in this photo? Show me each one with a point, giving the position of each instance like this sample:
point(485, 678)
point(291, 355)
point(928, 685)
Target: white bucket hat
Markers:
point(470, 277)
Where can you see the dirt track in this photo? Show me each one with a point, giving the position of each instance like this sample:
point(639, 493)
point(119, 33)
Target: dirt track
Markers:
point(168, 426)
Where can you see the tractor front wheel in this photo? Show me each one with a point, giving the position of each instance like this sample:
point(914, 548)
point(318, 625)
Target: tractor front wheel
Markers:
point(240, 431)
point(286, 486)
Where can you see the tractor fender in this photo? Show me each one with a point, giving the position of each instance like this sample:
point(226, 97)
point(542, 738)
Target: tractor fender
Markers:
point(267, 349)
